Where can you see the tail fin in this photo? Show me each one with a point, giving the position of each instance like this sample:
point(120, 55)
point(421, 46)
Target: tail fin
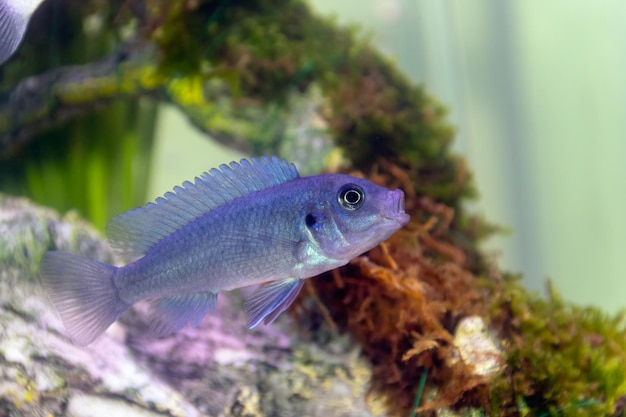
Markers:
point(83, 293)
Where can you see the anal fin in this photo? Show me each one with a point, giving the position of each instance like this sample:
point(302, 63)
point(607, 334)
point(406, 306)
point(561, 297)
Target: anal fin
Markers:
point(268, 302)
point(173, 313)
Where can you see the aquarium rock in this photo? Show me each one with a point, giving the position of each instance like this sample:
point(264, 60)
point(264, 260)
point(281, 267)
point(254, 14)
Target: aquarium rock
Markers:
point(478, 347)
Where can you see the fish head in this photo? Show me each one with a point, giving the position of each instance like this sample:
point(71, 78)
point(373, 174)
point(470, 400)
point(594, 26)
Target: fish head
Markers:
point(353, 215)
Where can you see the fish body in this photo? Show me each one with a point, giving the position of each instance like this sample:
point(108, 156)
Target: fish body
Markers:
point(247, 223)
point(14, 17)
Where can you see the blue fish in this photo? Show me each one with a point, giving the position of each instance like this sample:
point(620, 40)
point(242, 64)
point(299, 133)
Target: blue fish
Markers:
point(14, 17)
point(246, 223)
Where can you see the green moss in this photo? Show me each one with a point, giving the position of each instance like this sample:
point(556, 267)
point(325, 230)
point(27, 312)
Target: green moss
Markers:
point(563, 359)
point(274, 49)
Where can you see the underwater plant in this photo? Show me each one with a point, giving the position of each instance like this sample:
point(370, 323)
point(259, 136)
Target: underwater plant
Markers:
point(91, 155)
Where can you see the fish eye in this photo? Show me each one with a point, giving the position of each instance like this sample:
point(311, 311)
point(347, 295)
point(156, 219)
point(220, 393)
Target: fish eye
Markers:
point(351, 196)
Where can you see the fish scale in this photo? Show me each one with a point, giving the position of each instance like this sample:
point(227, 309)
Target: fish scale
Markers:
point(247, 223)
point(200, 256)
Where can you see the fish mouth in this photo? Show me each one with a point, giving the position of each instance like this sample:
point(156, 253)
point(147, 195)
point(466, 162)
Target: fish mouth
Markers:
point(394, 207)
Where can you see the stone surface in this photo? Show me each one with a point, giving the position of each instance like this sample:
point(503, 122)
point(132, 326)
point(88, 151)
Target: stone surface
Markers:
point(479, 347)
point(219, 368)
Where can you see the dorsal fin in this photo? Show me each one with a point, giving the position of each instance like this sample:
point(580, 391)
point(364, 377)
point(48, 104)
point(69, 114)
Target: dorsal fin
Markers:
point(133, 233)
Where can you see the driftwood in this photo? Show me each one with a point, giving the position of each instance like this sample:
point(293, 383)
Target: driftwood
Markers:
point(40, 102)
point(217, 369)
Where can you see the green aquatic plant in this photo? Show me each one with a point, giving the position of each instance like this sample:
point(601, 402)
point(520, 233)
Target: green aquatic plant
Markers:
point(79, 166)
point(96, 164)
point(563, 359)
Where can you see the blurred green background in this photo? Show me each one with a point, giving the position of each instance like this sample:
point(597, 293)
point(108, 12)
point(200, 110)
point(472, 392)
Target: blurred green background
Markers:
point(537, 91)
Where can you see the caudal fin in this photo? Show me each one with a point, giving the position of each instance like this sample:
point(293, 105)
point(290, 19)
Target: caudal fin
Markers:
point(83, 293)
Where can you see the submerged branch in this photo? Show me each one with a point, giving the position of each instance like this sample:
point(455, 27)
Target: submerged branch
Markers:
point(39, 102)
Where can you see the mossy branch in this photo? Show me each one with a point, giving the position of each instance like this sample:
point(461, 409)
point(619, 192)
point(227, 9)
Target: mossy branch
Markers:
point(39, 102)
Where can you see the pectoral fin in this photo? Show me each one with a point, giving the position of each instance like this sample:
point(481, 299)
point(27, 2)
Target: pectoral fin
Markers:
point(173, 313)
point(268, 302)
